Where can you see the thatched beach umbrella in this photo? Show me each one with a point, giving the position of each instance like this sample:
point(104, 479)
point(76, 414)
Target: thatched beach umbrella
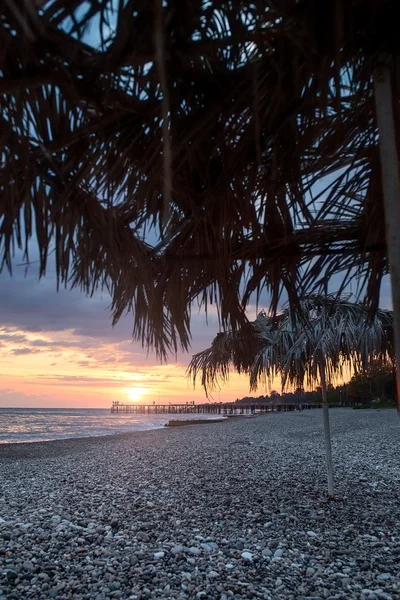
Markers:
point(334, 338)
point(209, 123)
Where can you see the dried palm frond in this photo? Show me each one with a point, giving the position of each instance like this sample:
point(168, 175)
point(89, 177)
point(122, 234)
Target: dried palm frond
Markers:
point(336, 330)
point(333, 329)
point(237, 349)
point(216, 126)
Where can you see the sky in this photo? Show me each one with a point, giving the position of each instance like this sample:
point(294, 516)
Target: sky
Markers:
point(59, 349)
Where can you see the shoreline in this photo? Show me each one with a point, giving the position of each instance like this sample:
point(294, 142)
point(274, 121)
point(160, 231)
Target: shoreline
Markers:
point(67, 443)
point(53, 448)
point(162, 427)
point(102, 431)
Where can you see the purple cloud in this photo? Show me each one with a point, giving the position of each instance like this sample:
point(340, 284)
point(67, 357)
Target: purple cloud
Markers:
point(22, 351)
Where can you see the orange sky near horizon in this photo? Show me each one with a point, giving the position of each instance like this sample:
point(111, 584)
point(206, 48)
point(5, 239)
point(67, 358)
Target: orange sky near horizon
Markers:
point(53, 369)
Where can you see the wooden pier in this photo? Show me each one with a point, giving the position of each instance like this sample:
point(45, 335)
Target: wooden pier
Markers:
point(206, 408)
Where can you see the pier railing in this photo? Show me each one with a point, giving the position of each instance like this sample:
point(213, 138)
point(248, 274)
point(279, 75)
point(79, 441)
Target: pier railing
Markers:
point(214, 408)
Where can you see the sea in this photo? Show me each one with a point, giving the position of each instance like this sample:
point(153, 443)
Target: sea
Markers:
point(44, 424)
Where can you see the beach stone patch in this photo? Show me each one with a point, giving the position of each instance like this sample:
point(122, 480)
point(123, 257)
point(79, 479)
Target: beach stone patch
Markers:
point(203, 513)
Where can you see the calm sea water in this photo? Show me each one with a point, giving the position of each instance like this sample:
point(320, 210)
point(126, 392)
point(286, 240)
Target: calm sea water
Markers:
point(40, 424)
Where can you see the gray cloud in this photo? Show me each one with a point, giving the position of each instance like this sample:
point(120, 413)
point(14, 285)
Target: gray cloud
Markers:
point(12, 337)
point(22, 351)
point(43, 344)
point(58, 344)
point(35, 306)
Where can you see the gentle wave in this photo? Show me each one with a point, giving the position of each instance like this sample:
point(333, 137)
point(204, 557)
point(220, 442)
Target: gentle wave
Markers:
point(44, 424)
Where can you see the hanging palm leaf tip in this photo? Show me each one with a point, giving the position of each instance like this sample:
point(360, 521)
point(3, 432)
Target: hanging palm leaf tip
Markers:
point(245, 138)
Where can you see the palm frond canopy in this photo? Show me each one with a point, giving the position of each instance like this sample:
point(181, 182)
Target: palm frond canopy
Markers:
point(292, 345)
point(241, 135)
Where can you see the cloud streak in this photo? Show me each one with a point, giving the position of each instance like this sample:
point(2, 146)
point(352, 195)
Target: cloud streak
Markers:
point(24, 351)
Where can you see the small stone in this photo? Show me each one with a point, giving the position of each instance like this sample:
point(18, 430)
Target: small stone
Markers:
point(247, 556)
point(28, 565)
point(384, 576)
point(143, 537)
point(11, 575)
point(310, 572)
point(177, 549)
point(213, 546)
point(312, 534)
point(278, 553)
point(158, 555)
point(194, 550)
point(229, 566)
point(267, 552)
point(212, 574)
point(239, 545)
point(186, 575)
point(278, 582)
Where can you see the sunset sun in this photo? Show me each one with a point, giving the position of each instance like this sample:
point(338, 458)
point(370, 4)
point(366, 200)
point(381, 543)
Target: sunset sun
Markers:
point(135, 394)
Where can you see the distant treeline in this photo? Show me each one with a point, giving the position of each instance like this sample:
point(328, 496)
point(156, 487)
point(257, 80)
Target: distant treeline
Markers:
point(377, 384)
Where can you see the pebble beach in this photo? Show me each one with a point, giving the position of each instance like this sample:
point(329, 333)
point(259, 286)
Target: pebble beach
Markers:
point(236, 509)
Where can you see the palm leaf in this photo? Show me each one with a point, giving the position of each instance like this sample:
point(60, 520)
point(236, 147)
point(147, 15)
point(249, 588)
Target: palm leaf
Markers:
point(245, 139)
point(291, 345)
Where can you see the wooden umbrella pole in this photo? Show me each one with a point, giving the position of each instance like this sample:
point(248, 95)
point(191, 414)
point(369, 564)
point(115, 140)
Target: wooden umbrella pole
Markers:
point(391, 192)
point(327, 430)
